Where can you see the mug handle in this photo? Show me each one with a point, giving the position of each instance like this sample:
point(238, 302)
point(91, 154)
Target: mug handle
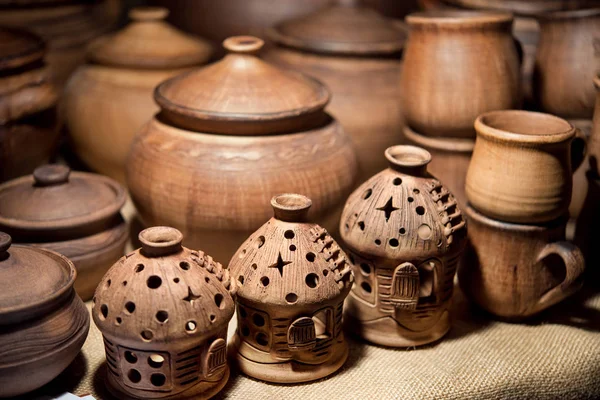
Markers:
point(520, 51)
point(575, 265)
point(579, 149)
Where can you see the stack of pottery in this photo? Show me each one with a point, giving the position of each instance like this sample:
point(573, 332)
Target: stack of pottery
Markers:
point(229, 137)
point(441, 100)
point(29, 128)
point(356, 53)
point(519, 187)
point(116, 87)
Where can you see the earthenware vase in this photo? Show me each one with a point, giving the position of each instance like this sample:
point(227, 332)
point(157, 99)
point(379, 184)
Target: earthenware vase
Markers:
point(404, 233)
point(163, 312)
point(517, 270)
point(293, 279)
point(117, 85)
point(43, 323)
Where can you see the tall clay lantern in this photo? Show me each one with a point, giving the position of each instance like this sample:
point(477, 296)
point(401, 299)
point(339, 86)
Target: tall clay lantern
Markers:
point(404, 233)
point(292, 279)
point(163, 311)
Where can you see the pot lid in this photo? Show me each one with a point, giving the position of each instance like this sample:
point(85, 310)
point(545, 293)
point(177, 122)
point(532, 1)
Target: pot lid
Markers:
point(241, 94)
point(342, 29)
point(53, 199)
point(18, 48)
point(149, 42)
point(32, 280)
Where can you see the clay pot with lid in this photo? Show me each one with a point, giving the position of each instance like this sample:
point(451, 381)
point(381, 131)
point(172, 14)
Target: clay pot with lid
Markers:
point(29, 129)
point(356, 53)
point(230, 136)
point(43, 323)
point(404, 232)
point(442, 100)
point(163, 311)
point(76, 214)
point(116, 86)
point(292, 280)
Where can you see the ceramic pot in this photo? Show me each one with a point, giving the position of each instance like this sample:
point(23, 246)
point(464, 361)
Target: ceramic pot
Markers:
point(43, 323)
point(567, 61)
point(404, 233)
point(580, 180)
point(29, 128)
point(67, 27)
point(529, 7)
point(229, 136)
point(293, 279)
point(117, 86)
point(522, 166)
point(360, 67)
point(594, 144)
point(163, 311)
point(442, 100)
point(450, 160)
point(73, 213)
point(517, 270)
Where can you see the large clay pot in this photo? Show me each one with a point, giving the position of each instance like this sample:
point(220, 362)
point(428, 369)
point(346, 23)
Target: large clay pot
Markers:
point(29, 128)
point(443, 100)
point(67, 27)
point(229, 137)
point(116, 87)
point(360, 67)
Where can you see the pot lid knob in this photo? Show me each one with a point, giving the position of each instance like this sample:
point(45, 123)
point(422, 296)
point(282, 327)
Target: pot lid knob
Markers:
point(291, 207)
point(51, 174)
point(411, 160)
point(5, 242)
point(160, 241)
point(148, 13)
point(243, 44)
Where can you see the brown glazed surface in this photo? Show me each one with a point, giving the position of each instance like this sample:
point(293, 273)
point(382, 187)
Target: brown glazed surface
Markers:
point(404, 233)
point(293, 279)
point(516, 270)
point(568, 59)
point(522, 166)
point(163, 311)
point(457, 65)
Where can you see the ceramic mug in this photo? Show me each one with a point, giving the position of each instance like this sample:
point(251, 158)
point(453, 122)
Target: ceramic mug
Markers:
point(522, 166)
point(517, 270)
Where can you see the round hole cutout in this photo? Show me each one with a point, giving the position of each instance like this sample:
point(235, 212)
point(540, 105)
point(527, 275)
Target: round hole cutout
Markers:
point(184, 265)
point(310, 257)
point(312, 280)
point(260, 241)
point(245, 331)
point(219, 300)
point(292, 247)
point(393, 242)
point(162, 316)
point(154, 282)
point(262, 339)
point(378, 242)
point(130, 307)
point(420, 210)
point(397, 181)
point(134, 376)
point(130, 357)
point(139, 268)
point(366, 287)
point(103, 311)
point(241, 279)
point(147, 335)
point(365, 268)
point(289, 234)
point(158, 380)
point(367, 194)
point(156, 360)
point(265, 281)
point(291, 298)
point(258, 320)
point(190, 326)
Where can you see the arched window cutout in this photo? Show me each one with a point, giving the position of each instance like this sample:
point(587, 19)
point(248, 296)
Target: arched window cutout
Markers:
point(215, 358)
point(302, 334)
point(405, 287)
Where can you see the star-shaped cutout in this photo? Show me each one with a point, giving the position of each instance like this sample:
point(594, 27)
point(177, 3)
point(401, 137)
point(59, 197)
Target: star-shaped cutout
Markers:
point(191, 296)
point(280, 264)
point(388, 209)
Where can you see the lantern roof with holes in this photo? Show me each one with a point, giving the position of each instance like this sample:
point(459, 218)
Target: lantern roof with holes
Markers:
point(403, 212)
point(289, 261)
point(163, 293)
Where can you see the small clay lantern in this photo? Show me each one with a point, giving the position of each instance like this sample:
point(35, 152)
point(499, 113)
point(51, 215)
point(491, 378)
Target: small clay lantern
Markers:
point(163, 311)
point(405, 233)
point(292, 280)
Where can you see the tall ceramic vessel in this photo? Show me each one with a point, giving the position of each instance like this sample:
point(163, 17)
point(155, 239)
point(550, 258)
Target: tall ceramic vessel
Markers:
point(229, 137)
point(404, 233)
point(360, 67)
point(293, 279)
point(117, 85)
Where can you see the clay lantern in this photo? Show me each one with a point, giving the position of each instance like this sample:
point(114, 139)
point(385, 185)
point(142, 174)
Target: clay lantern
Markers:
point(404, 233)
point(292, 280)
point(163, 311)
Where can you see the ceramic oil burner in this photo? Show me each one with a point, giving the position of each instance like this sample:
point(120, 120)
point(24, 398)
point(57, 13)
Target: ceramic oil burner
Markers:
point(229, 137)
point(163, 312)
point(360, 67)
point(76, 214)
point(404, 233)
point(594, 143)
point(293, 279)
point(522, 166)
point(568, 59)
point(442, 100)
point(43, 323)
point(66, 25)
point(450, 160)
point(28, 125)
point(517, 270)
point(117, 86)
